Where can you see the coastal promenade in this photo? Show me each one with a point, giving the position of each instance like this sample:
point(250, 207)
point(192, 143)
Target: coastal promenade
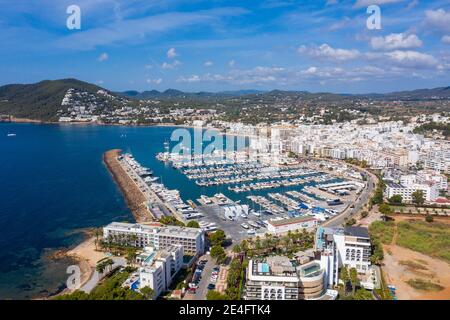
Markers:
point(134, 195)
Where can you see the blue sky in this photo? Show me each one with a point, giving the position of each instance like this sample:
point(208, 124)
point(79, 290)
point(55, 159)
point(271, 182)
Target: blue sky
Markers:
point(215, 45)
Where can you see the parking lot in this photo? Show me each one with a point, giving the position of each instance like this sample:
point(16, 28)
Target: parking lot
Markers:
point(233, 229)
point(205, 278)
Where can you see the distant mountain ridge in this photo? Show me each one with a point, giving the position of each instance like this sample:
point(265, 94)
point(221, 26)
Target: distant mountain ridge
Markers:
point(42, 100)
point(173, 93)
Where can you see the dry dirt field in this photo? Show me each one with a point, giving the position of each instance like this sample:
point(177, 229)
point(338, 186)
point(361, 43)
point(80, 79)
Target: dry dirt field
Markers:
point(402, 265)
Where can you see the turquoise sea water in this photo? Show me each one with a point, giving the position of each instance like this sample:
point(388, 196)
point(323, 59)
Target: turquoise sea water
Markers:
point(53, 185)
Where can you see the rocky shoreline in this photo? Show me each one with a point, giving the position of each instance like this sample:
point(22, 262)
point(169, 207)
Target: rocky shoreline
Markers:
point(134, 197)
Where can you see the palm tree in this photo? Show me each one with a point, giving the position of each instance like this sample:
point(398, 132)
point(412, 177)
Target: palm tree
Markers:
point(97, 233)
point(147, 292)
point(108, 263)
point(100, 267)
point(131, 255)
point(344, 277)
point(133, 239)
point(353, 279)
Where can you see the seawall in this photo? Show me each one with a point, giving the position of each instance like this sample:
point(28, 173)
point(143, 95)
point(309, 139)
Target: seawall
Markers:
point(134, 197)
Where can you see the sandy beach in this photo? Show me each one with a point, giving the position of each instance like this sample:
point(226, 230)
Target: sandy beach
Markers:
point(87, 256)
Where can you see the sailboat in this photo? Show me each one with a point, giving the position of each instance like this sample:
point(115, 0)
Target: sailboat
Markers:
point(11, 135)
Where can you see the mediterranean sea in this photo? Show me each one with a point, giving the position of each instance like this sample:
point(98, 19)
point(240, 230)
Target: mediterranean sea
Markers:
point(54, 186)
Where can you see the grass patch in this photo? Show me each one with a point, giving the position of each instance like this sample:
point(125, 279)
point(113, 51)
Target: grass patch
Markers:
point(424, 285)
point(109, 288)
point(432, 239)
point(382, 231)
point(412, 265)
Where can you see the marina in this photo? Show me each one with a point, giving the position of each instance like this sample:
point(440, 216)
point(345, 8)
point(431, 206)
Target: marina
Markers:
point(229, 192)
point(159, 200)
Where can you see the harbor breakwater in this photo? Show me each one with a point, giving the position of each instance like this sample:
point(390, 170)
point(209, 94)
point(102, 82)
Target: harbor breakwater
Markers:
point(134, 197)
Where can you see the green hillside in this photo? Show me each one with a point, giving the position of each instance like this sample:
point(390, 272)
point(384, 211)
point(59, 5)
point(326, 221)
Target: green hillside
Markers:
point(39, 101)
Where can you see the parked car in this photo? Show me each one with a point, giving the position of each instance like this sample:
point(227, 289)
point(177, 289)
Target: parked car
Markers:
point(211, 286)
point(192, 290)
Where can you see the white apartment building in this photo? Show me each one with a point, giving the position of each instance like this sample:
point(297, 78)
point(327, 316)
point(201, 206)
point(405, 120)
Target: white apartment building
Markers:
point(157, 236)
point(433, 176)
point(280, 226)
point(429, 190)
point(158, 268)
point(349, 247)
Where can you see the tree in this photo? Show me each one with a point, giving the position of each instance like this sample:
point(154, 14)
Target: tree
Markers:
point(237, 248)
point(218, 253)
point(350, 221)
point(97, 233)
point(396, 199)
point(429, 218)
point(385, 209)
point(171, 221)
point(147, 292)
point(131, 255)
point(378, 254)
point(193, 224)
point(215, 295)
point(353, 279)
point(344, 277)
point(244, 245)
point(362, 294)
point(417, 197)
point(217, 237)
point(101, 266)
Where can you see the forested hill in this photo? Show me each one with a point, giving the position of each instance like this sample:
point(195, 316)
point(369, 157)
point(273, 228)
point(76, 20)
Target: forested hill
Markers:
point(40, 100)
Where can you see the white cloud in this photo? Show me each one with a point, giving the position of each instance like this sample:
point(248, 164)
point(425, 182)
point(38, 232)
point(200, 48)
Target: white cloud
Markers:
point(412, 4)
point(190, 79)
point(173, 65)
point(208, 64)
point(103, 57)
point(326, 52)
point(256, 76)
point(154, 81)
point(438, 19)
point(171, 53)
point(396, 41)
point(446, 39)
point(231, 63)
point(140, 29)
point(366, 3)
point(412, 59)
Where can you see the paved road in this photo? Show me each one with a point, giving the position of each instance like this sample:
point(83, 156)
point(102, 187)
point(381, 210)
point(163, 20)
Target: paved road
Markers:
point(202, 289)
point(96, 276)
point(358, 205)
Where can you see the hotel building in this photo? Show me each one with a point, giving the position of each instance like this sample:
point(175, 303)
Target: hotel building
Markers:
point(429, 190)
point(158, 268)
point(349, 247)
point(279, 278)
point(156, 236)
